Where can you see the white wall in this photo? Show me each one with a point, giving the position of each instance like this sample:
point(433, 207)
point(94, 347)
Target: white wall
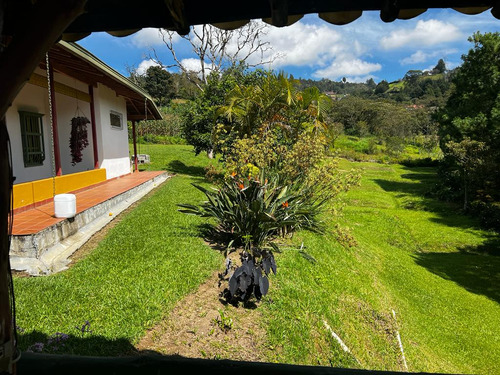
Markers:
point(113, 150)
point(113, 143)
point(32, 99)
point(66, 110)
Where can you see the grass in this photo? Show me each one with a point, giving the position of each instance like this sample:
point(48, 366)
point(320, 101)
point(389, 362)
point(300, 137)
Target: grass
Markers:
point(376, 150)
point(415, 255)
point(147, 262)
point(173, 158)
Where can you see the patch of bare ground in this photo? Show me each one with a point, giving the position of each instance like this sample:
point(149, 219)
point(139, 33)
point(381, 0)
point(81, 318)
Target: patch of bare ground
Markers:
point(195, 329)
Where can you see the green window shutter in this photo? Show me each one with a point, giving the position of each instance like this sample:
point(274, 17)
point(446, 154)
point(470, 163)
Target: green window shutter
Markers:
point(32, 138)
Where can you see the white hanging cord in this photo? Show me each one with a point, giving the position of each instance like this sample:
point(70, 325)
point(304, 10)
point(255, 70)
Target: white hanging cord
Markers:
point(51, 118)
point(78, 111)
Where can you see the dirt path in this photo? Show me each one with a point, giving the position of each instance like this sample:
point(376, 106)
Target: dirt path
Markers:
point(195, 329)
point(192, 329)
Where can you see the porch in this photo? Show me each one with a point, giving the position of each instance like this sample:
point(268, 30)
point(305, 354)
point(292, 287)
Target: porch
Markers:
point(42, 243)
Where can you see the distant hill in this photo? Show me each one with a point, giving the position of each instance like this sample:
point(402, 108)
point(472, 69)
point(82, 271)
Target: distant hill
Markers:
point(430, 88)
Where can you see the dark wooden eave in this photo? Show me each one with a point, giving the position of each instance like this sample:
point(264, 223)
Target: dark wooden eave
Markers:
point(178, 15)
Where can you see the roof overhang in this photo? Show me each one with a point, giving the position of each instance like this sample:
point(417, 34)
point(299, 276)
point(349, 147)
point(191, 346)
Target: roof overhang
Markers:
point(124, 17)
point(72, 60)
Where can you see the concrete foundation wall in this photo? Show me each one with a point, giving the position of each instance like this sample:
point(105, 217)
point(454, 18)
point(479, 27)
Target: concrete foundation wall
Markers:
point(28, 248)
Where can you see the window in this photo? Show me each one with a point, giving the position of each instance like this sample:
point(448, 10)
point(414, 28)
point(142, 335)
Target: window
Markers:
point(115, 119)
point(32, 138)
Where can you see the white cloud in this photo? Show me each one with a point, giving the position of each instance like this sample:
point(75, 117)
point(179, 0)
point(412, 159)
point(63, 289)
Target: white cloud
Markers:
point(355, 68)
point(150, 37)
point(145, 65)
point(305, 44)
point(296, 45)
point(194, 65)
point(320, 46)
point(421, 56)
point(361, 79)
point(191, 64)
point(418, 57)
point(424, 34)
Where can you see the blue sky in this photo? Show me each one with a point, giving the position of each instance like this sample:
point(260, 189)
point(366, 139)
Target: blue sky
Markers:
point(313, 48)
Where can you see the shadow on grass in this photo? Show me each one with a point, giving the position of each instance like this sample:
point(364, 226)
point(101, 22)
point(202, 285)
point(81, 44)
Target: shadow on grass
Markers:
point(84, 344)
point(470, 268)
point(417, 194)
point(146, 363)
point(177, 166)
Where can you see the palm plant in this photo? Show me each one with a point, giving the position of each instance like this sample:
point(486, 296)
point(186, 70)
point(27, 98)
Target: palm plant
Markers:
point(314, 104)
point(259, 108)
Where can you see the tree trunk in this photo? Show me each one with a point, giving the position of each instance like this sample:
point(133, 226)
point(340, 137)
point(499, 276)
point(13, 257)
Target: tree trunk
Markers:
point(465, 192)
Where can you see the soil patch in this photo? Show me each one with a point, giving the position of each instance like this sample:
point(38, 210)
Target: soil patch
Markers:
point(195, 329)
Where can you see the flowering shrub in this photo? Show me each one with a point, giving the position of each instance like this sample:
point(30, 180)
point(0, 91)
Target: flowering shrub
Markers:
point(251, 212)
point(269, 127)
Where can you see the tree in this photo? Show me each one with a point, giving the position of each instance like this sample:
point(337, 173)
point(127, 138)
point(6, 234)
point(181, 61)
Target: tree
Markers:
point(183, 85)
point(440, 67)
point(382, 87)
point(371, 84)
point(469, 158)
point(159, 84)
point(412, 75)
point(473, 112)
point(218, 49)
point(201, 114)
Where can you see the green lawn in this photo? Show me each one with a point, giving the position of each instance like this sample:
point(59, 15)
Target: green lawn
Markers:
point(146, 264)
point(414, 255)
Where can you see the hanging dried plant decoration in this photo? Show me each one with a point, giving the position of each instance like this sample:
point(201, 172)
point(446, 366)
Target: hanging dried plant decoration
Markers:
point(78, 140)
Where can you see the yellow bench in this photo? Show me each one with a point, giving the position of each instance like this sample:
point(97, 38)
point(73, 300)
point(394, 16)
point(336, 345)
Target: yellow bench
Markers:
point(29, 193)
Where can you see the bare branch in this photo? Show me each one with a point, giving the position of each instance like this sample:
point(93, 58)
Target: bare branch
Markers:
point(217, 49)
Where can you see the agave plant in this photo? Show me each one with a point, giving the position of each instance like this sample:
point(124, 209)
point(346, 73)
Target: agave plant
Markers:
point(251, 213)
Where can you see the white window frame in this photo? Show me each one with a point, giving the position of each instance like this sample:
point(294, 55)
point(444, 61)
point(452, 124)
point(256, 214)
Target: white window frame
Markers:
point(115, 113)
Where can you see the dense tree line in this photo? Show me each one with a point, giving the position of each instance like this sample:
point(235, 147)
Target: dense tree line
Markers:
point(470, 130)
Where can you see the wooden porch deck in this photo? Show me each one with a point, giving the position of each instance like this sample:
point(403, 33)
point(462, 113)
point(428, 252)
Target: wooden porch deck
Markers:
point(36, 219)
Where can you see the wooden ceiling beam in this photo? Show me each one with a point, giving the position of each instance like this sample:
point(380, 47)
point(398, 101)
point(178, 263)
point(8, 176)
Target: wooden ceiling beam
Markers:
point(133, 105)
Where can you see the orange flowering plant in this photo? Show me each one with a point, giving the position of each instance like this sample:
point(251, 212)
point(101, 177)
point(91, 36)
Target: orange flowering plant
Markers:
point(250, 214)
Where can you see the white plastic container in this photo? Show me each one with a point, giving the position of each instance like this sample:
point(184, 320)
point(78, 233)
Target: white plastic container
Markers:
point(65, 205)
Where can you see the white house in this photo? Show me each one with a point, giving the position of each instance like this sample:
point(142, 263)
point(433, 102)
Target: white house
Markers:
point(74, 83)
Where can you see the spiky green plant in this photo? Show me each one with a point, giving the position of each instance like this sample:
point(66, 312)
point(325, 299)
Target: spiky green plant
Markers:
point(252, 212)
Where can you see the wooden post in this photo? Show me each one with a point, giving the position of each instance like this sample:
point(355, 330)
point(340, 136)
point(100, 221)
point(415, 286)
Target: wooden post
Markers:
point(6, 329)
point(134, 141)
point(94, 127)
point(40, 26)
point(55, 133)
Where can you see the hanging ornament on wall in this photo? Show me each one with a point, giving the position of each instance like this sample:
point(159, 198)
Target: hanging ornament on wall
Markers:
point(79, 138)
